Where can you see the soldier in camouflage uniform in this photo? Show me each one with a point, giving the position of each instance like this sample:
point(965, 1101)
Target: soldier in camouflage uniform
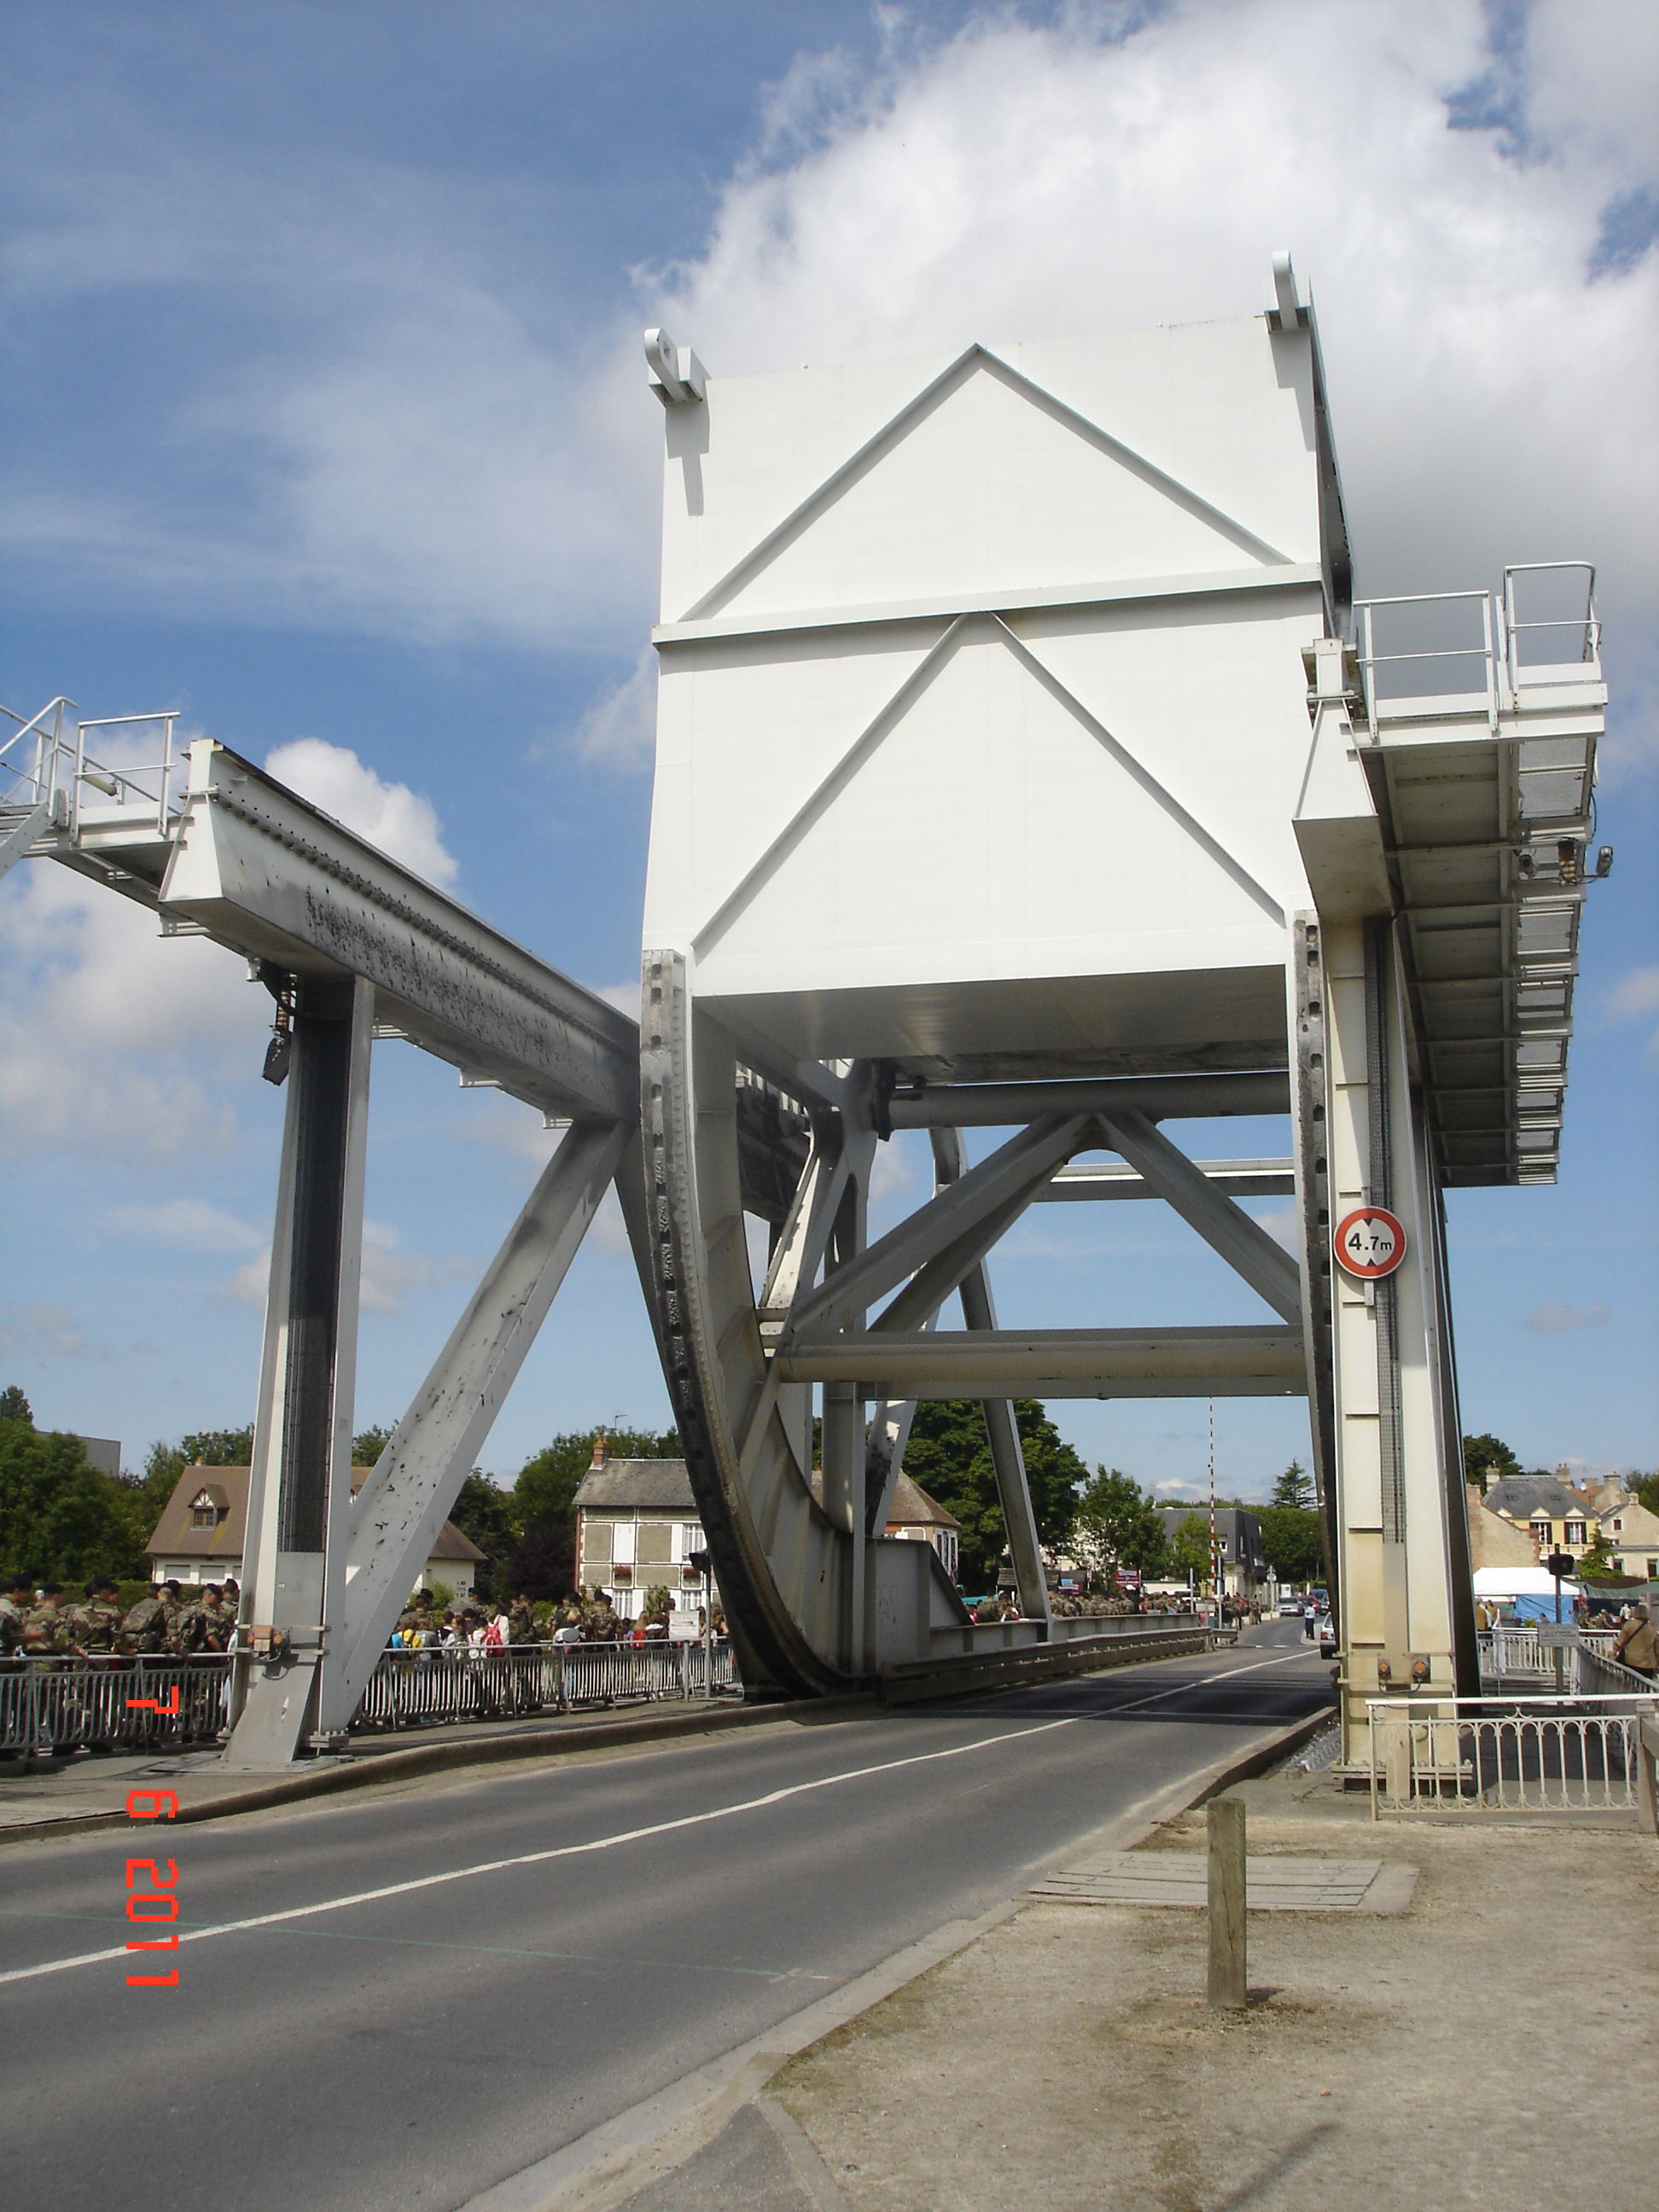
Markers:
point(521, 1622)
point(94, 1626)
point(46, 1631)
point(222, 1621)
point(18, 1597)
point(195, 1626)
point(174, 1609)
point(145, 1630)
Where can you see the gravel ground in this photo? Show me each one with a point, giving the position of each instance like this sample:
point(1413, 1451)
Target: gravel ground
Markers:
point(1496, 2046)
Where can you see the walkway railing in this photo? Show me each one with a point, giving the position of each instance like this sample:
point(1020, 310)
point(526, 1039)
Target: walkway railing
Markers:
point(1575, 1754)
point(460, 1682)
point(164, 1704)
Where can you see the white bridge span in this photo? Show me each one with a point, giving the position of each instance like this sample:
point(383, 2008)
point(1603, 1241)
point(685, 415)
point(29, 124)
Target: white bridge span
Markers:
point(1024, 765)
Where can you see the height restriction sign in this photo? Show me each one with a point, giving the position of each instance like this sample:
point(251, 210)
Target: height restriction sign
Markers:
point(1370, 1242)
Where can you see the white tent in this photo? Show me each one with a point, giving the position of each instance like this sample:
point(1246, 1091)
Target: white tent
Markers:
point(1519, 1582)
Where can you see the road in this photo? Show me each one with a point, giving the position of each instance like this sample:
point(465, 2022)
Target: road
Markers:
point(448, 1981)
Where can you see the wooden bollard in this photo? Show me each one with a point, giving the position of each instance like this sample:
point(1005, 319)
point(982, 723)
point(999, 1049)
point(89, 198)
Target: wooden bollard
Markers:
point(1229, 1968)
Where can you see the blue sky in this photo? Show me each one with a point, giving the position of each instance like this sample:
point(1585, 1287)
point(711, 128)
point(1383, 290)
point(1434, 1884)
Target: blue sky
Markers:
point(326, 422)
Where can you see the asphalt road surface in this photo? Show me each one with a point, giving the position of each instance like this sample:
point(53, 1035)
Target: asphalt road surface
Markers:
point(396, 2000)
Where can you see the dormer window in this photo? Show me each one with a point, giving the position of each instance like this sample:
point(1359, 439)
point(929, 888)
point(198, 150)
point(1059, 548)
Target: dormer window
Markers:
point(204, 1512)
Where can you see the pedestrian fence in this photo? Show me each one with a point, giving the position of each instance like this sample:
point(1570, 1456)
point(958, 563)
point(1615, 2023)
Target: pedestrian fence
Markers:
point(165, 1704)
point(1527, 1651)
point(1583, 1753)
point(462, 1682)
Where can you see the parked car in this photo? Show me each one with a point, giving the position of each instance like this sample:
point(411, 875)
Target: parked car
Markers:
point(1327, 1636)
point(1290, 1607)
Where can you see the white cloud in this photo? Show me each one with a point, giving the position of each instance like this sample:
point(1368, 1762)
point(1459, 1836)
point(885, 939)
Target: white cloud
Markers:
point(188, 1221)
point(622, 726)
point(1561, 1321)
point(423, 435)
point(113, 1042)
point(47, 1332)
point(401, 822)
point(389, 1277)
point(1635, 998)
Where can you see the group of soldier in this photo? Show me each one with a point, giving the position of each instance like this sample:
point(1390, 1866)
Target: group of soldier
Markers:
point(37, 1623)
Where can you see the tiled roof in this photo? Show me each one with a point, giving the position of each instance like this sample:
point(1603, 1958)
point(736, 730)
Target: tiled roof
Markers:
point(628, 1486)
point(227, 1487)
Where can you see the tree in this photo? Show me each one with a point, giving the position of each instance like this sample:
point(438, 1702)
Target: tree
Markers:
point(1117, 1525)
point(1189, 1547)
point(61, 1519)
point(483, 1513)
point(1293, 1541)
point(1645, 1488)
point(1487, 1459)
point(1598, 1562)
point(367, 1448)
point(543, 1561)
point(949, 1454)
point(1295, 1486)
point(15, 1407)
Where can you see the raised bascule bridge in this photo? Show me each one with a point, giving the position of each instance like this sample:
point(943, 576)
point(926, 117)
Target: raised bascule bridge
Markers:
point(1025, 766)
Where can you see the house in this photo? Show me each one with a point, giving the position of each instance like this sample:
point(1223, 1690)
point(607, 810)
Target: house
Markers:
point(1556, 1516)
point(636, 1528)
point(1495, 1541)
point(1238, 1539)
point(204, 1527)
point(1633, 1532)
point(922, 1520)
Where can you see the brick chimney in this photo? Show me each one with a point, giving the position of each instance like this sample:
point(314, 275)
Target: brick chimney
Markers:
point(601, 1452)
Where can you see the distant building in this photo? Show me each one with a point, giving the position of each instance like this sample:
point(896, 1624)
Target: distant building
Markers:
point(1493, 1541)
point(1556, 1516)
point(637, 1526)
point(1633, 1532)
point(204, 1528)
point(1238, 1539)
point(923, 1520)
point(103, 1452)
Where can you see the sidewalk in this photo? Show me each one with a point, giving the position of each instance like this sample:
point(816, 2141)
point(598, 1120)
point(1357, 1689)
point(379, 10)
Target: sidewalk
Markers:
point(1492, 2043)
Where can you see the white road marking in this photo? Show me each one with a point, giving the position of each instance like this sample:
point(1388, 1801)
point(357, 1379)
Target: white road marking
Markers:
point(628, 1835)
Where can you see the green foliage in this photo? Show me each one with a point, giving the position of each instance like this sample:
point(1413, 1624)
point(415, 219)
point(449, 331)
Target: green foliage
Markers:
point(60, 1519)
point(657, 1604)
point(950, 1455)
point(1598, 1560)
point(15, 1407)
point(1487, 1459)
point(1295, 1486)
point(367, 1448)
point(1645, 1488)
point(442, 1598)
point(483, 1513)
point(1117, 1525)
point(1189, 1547)
point(1292, 1539)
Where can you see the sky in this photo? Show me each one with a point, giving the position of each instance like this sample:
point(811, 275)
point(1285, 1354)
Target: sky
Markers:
point(326, 427)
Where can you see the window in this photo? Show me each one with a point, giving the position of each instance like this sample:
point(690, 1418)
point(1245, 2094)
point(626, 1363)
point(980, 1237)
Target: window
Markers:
point(621, 1543)
point(1575, 1531)
point(203, 1516)
point(1653, 1571)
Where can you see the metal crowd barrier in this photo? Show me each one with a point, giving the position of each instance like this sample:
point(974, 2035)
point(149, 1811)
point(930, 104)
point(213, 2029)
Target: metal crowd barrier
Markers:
point(123, 1703)
point(1543, 1754)
point(426, 1687)
point(118, 1703)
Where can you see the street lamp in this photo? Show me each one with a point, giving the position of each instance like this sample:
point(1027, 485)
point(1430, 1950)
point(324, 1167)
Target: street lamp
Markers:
point(1560, 1564)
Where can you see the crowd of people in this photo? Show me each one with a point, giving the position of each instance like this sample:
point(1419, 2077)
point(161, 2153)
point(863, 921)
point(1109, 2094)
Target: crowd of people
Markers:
point(585, 1618)
point(38, 1621)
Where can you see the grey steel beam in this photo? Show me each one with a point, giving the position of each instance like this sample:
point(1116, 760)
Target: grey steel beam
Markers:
point(273, 878)
point(1001, 1429)
point(1108, 1363)
point(405, 1500)
point(300, 1489)
point(1104, 1179)
point(945, 1227)
point(1246, 1247)
point(1160, 1097)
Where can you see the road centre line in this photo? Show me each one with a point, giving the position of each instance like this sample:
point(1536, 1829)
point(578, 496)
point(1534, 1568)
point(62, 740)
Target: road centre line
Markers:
point(557, 1852)
point(633, 1835)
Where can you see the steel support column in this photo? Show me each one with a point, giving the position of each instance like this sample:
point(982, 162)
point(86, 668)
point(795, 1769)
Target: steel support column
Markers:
point(300, 1493)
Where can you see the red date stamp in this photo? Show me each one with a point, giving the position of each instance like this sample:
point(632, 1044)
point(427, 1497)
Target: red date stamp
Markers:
point(152, 1885)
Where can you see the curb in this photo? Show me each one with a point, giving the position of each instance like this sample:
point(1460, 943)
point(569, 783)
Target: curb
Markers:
point(368, 1768)
point(626, 2154)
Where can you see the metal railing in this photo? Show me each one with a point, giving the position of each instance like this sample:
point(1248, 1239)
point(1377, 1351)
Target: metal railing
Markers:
point(1542, 1754)
point(122, 1704)
point(65, 1705)
point(1527, 1651)
point(41, 764)
point(426, 1688)
point(1495, 668)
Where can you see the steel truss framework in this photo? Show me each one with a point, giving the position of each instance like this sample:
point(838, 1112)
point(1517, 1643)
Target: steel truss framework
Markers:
point(1397, 987)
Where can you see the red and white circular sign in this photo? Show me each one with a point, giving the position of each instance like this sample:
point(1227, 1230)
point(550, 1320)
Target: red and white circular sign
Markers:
point(1368, 1242)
